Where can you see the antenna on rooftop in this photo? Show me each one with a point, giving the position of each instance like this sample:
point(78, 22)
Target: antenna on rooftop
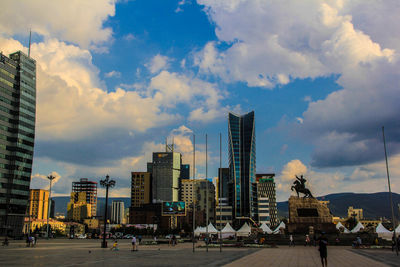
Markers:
point(30, 37)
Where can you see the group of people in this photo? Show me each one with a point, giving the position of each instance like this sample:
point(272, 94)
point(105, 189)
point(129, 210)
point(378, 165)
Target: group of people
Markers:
point(134, 242)
point(322, 242)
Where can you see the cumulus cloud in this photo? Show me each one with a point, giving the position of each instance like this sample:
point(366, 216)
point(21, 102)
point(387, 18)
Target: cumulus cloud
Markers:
point(40, 181)
point(157, 63)
point(80, 22)
point(111, 74)
point(317, 39)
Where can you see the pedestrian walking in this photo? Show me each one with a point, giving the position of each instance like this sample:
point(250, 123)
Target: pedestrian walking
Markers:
point(28, 241)
point(323, 249)
point(115, 246)
point(33, 241)
point(291, 241)
point(307, 241)
point(140, 239)
point(134, 243)
point(173, 240)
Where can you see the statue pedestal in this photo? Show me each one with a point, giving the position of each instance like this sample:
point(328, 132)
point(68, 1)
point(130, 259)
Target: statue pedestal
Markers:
point(309, 214)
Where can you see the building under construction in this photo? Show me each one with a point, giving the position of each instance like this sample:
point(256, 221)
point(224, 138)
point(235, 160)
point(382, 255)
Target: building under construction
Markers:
point(84, 185)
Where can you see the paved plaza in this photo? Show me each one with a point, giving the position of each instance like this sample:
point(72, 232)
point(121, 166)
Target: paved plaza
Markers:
point(64, 252)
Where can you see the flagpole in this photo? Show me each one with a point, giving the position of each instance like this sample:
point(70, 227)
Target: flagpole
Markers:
point(390, 191)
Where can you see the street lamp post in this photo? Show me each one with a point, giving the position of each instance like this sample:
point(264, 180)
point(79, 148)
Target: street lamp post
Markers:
point(106, 183)
point(51, 178)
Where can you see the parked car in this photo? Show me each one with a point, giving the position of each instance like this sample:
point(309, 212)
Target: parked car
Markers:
point(128, 236)
point(170, 236)
point(81, 236)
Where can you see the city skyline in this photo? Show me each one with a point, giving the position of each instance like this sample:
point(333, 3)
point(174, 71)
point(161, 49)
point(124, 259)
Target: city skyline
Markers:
point(113, 83)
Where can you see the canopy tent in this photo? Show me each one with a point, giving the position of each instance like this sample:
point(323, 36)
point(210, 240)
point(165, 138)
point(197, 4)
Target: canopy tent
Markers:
point(383, 232)
point(245, 230)
point(264, 227)
point(228, 231)
point(357, 228)
point(199, 230)
point(211, 229)
point(381, 229)
point(340, 225)
point(397, 229)
point(277, 229)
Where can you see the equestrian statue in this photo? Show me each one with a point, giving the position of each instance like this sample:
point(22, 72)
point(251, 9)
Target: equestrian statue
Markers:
point(300, 187)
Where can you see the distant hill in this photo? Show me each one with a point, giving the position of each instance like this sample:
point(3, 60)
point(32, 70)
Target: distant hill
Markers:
point(61, 203)
point(375, 205)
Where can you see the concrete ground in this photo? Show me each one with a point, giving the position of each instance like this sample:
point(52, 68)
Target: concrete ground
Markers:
point(64, 252)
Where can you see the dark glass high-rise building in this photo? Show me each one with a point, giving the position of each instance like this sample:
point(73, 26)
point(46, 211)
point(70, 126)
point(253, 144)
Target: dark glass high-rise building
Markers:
point(17, 134)
point(242, 165)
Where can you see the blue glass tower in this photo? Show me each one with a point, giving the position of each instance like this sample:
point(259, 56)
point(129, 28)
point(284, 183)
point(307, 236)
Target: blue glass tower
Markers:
point(242, 164)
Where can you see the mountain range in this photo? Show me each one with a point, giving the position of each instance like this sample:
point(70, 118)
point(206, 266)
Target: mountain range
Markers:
point(374, 205)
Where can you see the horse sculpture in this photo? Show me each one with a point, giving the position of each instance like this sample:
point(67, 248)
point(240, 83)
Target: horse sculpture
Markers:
point(299, 186)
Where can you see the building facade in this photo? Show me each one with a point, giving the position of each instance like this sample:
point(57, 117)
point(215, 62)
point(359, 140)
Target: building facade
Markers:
point(242, 165)
point(140, 188)
point(266, 189)
point(263, 211)
point(185, 171)
point(117, 212)
point(78, 209)
point(355, 213)
point(17, 135)
point(90, 188)
point(38, 204)
point(166, 171)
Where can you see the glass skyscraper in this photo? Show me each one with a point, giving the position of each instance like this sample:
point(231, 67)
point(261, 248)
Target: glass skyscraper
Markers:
point(242, 165)
point(17, 134)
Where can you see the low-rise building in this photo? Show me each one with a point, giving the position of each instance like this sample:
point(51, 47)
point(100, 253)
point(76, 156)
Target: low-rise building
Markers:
point(38, 224)
point(91, 223)
point(355, 213)
point(78, 209)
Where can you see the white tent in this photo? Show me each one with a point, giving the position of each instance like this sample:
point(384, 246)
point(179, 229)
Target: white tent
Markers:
point(228, 231)
point(381, 229)
point(245, 230)
point(397, 229)
point(264, 227)
point(211, 229)
point(383, 232)
point(357, 228)
point(277, 229)
point(339, 225)
point(199, 230)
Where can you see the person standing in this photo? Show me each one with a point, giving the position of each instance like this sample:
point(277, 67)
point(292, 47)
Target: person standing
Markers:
point(323, 249)
point(291, 241)
point(134, 243)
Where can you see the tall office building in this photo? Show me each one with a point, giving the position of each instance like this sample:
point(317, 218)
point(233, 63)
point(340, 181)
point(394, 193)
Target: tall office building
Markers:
point(117, 212)
point(38, 204)
point(266, 190)
point(223, 211)
point(17, 134)
point(242, 165)
point(185, 171)
point(90, 188)
point(140, 189)
point(166, 171)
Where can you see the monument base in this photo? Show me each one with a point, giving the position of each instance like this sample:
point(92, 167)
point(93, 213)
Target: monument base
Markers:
point(309, 215)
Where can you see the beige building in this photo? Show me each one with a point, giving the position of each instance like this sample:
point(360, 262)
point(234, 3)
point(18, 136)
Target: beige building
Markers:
point(355, 213)
point(92, 223)
point(140, 189)
point(38, 204)
point(195, 190)
point(78, 209)
point(39, 223)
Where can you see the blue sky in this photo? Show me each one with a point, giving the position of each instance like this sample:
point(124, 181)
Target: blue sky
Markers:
point(115, 79)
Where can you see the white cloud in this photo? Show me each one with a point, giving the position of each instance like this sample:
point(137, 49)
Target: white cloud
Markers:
point(157, 63)
point(111, 74)
point(129, 37)
point(40, 181)
point(80, 22)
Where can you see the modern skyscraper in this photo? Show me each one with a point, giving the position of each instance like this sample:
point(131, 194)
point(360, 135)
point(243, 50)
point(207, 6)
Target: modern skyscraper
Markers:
point(140, 189)
point(223, 210)
point(17, 134)
point(38, 204)
point(90, 188)
point(242, 164)
point(266, 190)
point(166, 171)
point(117, 212)
point(185, 171)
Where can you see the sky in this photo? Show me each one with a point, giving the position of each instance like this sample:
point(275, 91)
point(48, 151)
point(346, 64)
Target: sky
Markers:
point(115, 79)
